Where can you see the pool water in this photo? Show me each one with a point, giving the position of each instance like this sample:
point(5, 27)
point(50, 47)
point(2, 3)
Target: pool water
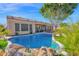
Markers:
point(34, 40)
point(54, 45)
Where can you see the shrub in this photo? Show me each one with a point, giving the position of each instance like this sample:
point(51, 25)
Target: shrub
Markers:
point(69, 37)
point(3, 43)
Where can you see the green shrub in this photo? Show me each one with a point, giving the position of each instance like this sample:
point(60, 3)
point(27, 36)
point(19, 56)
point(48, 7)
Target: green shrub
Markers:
point(69, 37)
point(3, 43)
point(4, 31)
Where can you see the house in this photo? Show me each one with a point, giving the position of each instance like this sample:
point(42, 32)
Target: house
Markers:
point(18, 25)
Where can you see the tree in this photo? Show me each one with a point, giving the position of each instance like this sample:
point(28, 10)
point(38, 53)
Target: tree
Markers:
point(63, 24)
point(57, 12)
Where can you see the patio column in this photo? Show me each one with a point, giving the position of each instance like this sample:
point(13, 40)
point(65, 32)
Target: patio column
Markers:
point(33, 28)
point(20, 27)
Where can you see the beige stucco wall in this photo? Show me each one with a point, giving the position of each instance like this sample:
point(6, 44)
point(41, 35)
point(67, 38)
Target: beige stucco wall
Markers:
point(10, 26)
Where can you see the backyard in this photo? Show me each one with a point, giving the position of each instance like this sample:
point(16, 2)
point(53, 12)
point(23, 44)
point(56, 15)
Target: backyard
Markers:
point(63, 40)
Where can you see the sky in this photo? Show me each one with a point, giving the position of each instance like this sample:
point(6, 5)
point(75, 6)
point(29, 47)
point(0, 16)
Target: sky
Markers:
point(28, 10)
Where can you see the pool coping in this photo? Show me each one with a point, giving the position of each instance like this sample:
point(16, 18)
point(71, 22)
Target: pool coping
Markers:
point(32, 34)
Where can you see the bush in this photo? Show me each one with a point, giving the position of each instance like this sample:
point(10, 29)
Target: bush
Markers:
point(3, 43)
point(69, 37)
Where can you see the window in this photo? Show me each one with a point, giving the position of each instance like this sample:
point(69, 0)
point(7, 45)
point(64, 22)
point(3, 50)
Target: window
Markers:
point(17, 28)
point(24, 27)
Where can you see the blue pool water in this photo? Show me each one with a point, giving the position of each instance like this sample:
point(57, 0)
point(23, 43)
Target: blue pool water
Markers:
point(34, 40)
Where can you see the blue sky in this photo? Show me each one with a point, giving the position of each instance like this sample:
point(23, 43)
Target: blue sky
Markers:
point(30, 11)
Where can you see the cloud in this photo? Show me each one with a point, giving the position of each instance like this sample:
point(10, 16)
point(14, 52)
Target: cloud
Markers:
point(7, 7)
point(10, 7)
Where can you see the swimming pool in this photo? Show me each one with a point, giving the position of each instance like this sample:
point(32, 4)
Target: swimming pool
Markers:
point(34, 40)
